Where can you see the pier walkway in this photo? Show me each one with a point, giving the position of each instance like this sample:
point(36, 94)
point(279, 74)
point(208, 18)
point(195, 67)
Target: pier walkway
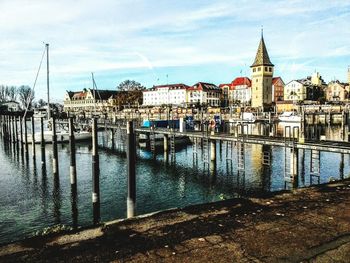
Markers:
point(308, 225)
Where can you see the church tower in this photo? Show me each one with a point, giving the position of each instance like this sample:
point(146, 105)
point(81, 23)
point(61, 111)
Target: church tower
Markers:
point(349, 75)
point(262, 72)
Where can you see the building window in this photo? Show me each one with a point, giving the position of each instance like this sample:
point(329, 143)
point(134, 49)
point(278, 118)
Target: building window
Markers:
point(265, 68)
point(254, 69)
point(259, 68)
point(270, 69)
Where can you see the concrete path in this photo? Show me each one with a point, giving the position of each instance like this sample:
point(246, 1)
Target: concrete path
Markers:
point(308, 225)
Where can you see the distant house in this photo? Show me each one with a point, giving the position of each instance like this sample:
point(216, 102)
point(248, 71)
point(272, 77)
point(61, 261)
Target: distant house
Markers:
point(337, 91)
point(310, 88)
point(238, 91)
point(10, 106)
point(170, 94)
point(277, 89)
point(241, 90)
point(204, 93)
point(89, 100)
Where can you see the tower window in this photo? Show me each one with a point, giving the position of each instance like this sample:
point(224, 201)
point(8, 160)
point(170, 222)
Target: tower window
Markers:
point(270, 69)
point(265, 68)
point(254, 69)
point(257, 80)
point(259, 68)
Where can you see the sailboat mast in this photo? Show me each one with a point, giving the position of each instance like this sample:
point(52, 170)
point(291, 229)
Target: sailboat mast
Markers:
point(94, 90)
point(48, 83)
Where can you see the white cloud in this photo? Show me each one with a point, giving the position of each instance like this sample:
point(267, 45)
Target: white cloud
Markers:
point(106, 35)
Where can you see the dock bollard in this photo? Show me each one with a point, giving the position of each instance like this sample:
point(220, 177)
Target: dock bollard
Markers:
point(131, 163)
point(95, 174)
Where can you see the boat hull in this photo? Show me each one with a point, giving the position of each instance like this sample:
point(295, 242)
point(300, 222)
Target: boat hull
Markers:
point(62, 137)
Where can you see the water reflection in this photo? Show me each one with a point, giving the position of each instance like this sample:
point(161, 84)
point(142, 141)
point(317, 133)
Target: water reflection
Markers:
point(162, 182)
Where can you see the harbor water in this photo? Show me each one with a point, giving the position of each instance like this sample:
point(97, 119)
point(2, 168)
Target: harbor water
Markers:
point(32, 199)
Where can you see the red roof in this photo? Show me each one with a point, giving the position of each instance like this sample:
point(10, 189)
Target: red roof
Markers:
point(241, 81)
point(79, 95)
point(275, 79)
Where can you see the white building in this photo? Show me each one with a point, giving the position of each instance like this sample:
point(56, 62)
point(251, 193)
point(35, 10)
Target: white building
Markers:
point(11, 105)
point(295, 90)
point(172, 94)
point(204, 93)
point(241, 90)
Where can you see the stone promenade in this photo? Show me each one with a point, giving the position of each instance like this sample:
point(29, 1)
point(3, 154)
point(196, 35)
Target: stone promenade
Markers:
point(306, 225)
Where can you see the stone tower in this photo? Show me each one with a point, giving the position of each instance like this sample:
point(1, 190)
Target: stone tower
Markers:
point(349, 75)
point(262, 72)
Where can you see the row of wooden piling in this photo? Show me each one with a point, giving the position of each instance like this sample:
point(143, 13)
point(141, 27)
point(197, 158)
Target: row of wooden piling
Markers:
point(9, 130)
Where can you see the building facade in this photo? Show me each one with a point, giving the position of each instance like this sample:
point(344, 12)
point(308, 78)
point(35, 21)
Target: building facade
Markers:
point(277, 89)
point(89, 101)
point(172, 94)
point(241, 90)
point(262, 73)
point(10, 106)
point(204, 94)
point(337, 91)
point(295, 91)
point(310, 88)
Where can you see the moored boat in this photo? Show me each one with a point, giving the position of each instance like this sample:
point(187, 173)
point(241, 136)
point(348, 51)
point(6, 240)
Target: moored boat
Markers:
point(289, 116)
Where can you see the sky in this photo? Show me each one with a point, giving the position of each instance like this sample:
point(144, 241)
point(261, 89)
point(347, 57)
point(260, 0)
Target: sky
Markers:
point(166, 41)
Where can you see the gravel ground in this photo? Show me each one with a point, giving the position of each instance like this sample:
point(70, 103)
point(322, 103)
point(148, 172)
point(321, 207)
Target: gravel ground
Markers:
point(306, 225)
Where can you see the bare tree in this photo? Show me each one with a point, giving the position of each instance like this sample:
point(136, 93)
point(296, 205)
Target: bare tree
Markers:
point(129, 85)
point(26, 96)
point(41, 103)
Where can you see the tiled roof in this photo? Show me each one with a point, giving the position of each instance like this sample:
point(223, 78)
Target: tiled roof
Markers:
point(79, 95)
point(241, 81)
point(262, 57)
point(205, 87)
point(275, 79)
point(103, 94)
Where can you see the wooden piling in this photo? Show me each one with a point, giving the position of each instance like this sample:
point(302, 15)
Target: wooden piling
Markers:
point(72, 170)
point(13, 135)
point(21, 131)
point(131, 164)
point(25, 135)
point(42, 141)
point(33, 137)
point(54, 148)
point(294, 167)
point(166, 139)
point(10, 129)
point(95, 174)
point(16, 131)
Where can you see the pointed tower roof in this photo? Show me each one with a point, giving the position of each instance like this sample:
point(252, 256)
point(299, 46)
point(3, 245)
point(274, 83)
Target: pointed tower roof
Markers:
point(262, 57)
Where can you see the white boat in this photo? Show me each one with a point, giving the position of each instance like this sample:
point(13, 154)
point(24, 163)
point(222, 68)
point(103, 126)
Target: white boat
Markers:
point(246, 117)
point(62, 136)
point(40, 113)
point(289, 116)
point(45, 112)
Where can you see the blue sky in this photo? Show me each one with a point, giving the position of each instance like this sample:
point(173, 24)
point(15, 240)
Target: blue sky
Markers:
point(190, 41)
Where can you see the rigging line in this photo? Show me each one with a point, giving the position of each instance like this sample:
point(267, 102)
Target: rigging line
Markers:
point(32, 90)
